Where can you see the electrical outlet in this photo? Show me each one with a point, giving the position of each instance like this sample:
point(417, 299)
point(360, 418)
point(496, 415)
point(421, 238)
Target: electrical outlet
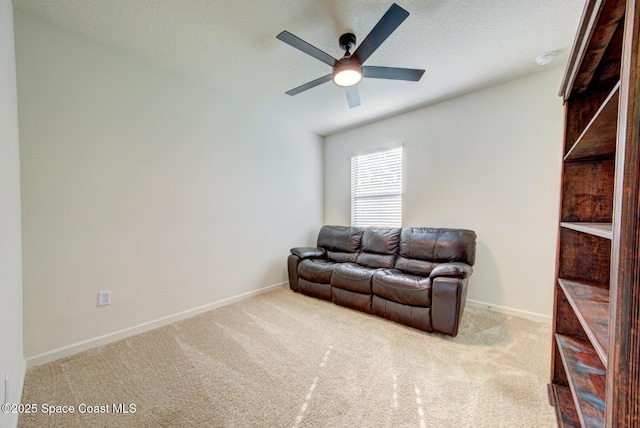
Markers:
point(104, 298)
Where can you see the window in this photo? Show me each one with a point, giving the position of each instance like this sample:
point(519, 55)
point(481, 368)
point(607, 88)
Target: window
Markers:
point(376, 189)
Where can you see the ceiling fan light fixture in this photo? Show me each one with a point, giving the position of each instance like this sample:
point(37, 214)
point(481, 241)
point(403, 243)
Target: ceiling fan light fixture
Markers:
point(347, 73)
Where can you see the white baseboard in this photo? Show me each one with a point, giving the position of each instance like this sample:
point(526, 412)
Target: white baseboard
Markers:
point(65, 351)
point(533, 316)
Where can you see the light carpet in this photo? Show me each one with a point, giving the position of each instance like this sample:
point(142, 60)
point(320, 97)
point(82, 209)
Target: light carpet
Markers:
point(282, 359)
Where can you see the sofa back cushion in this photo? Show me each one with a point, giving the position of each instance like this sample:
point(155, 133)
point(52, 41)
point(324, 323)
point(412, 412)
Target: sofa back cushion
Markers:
point(421, 248)
point(341, 242)
point(379, 247)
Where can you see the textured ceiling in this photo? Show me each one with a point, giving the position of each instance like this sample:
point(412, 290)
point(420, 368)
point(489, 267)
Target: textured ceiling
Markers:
point(230, 46)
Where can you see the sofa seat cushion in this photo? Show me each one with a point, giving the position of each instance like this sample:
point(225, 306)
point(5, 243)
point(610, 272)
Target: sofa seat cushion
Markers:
point(316, 270)
point(352, 277)
point(400, 287)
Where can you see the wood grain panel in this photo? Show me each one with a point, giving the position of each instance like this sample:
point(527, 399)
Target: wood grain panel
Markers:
point(584, 257)
point(623, 400)
point(567, 321)
point(608, 72)
point(587, 194)
point(609, 19)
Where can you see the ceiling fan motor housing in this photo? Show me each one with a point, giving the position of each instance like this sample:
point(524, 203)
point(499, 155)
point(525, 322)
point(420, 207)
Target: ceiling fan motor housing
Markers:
point(347, 42)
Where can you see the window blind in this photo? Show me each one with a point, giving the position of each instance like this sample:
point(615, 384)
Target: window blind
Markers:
point(376, 189)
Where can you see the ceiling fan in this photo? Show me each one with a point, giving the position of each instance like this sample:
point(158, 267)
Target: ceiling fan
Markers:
point(348, 70)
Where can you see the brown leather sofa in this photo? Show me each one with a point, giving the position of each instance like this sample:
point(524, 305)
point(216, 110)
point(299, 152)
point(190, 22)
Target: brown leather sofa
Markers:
point(415, 276)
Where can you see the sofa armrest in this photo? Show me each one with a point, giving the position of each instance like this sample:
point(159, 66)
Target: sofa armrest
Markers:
point(297, 255)
point(453, 269)
point(309, 252)
point(448, 296)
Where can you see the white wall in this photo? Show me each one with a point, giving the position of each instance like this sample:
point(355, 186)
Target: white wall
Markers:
point(488, 161)
point(12, 363)
point(135, 180)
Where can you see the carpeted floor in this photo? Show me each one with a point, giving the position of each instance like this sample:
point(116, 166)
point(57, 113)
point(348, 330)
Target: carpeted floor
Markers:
point(282, 359)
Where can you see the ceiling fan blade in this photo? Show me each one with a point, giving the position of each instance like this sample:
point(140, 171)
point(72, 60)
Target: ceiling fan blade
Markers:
point(383, 29)
point(411, 74)
point(307, 48)
point(309, 85)
point(353, 96)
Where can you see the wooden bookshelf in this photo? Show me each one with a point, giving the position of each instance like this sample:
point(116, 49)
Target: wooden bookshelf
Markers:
point(595, 356)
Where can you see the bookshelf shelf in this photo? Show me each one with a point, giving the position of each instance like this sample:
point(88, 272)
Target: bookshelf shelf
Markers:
point(603, 230)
